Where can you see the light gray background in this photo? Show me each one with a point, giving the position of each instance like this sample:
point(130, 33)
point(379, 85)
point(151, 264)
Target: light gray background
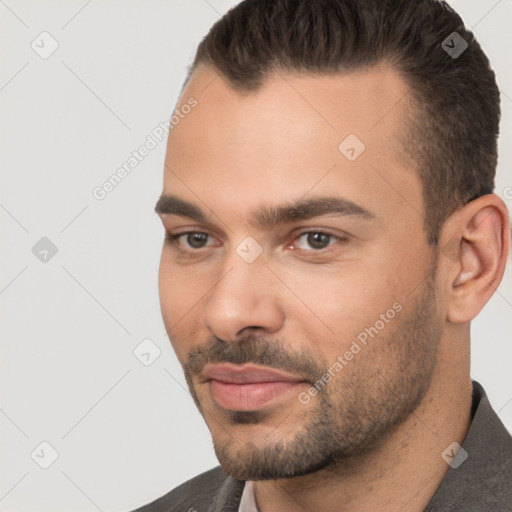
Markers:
point(125, 433)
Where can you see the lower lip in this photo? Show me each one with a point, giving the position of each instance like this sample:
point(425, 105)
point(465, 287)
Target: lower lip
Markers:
point(249, 397)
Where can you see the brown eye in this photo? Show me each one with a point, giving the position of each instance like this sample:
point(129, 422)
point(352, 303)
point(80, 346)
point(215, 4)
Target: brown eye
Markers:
point(189, 240)
point(316, 240)
point(196, 240)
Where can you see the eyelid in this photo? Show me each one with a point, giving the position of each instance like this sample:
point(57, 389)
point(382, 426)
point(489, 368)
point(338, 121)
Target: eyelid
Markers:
point(324, 231)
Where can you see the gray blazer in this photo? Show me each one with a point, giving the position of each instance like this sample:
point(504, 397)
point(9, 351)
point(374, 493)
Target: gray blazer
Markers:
point(483, 482)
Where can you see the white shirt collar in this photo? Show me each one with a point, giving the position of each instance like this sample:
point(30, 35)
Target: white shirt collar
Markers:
point(248, 503)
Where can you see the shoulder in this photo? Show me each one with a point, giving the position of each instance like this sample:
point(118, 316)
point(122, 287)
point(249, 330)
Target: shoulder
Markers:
point(198, 493)
point(481, 480)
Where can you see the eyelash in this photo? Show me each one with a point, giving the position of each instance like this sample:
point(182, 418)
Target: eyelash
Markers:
point(173, 239)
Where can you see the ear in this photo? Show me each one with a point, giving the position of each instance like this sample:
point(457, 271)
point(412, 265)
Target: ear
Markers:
point(475, 242)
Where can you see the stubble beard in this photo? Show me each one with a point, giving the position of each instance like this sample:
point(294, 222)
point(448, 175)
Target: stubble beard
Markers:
point(365, 402)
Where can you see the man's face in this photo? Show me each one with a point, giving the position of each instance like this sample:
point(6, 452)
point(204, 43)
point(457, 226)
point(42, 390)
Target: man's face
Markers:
point(307, 327)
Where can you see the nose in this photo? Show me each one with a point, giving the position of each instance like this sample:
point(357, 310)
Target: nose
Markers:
point(245, 300)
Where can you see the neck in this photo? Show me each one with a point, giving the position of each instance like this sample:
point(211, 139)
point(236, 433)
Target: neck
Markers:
point(402, 474)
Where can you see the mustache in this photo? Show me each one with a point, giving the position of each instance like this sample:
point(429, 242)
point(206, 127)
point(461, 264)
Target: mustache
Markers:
point(257, 350)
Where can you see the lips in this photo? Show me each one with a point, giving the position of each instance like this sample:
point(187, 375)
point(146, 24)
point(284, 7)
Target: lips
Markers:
point(248, 373)
point(248, 387)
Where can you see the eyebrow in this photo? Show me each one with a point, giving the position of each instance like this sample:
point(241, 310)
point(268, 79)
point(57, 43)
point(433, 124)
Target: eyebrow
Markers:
point(268, 216)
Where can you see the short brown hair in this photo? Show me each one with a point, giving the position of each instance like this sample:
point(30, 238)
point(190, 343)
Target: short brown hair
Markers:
point(451, 136)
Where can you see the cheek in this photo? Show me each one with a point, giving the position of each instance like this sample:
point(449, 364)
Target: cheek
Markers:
point(181, 295)
point(337, 305)
point(165, 289)
point(176, 288)
point(172, 305)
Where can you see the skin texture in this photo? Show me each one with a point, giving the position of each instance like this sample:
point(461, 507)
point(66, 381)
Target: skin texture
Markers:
point(372, 438)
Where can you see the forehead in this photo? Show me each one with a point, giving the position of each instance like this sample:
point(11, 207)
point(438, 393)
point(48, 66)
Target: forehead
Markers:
point(297, 133)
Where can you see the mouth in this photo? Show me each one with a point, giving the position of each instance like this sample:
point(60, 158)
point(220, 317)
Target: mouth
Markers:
point(249, 387)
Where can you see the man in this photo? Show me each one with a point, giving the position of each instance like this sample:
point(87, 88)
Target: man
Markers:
point(331, 233)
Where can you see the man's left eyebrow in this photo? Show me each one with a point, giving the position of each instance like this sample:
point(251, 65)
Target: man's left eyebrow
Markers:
point(304, 209)
point(269, 216)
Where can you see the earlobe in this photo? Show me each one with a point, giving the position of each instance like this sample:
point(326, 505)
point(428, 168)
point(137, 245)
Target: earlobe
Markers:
point(483, 238)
